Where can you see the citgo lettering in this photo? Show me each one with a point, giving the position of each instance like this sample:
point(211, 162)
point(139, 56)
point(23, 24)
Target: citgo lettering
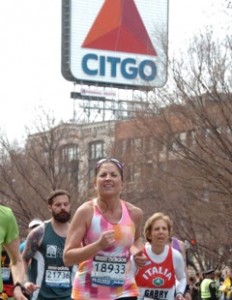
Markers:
point(146, 69)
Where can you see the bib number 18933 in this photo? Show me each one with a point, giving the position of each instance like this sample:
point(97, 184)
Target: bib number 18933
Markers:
point(109, 271)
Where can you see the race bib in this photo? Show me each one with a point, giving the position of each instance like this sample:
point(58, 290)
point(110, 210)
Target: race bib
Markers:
point(109, 270)
point(5, 274)
point(158, 294)
point(57, 277)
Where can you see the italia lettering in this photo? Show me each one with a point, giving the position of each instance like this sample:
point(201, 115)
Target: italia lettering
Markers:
point(129, 68)
point(151, 271)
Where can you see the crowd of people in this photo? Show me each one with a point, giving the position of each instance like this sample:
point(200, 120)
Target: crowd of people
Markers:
point(103, 252)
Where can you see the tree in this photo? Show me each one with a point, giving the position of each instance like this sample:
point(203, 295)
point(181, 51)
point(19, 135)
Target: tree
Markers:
point(187, 173)
point(30, 173)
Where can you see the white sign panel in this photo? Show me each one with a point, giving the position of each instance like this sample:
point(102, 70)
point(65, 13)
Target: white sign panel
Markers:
point(120, 43)
point(98, 93)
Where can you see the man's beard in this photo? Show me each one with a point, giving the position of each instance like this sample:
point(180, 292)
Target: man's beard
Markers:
point(61, 217)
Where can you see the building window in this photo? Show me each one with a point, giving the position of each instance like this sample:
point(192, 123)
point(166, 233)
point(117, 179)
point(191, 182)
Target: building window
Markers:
point(149, 141)
point(149, 169)
point(182, 136)
point(162, 144)
point(130, 173)
point(124, 146)
point(178, 141)
point(130, 146)
point(70, 160)
point(133, 172)
point(73, 171)
point(97, 150)
point(138, 145)
point(191, 138)
point(70, 152)
point(207, 133)
point(162, 166)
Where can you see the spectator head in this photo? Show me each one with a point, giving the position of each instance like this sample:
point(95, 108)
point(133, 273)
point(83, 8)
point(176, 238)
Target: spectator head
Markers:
point(210, 273)
point(34, 223)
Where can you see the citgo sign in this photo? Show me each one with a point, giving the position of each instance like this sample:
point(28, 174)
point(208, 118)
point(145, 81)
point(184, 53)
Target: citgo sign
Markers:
point(121, 43)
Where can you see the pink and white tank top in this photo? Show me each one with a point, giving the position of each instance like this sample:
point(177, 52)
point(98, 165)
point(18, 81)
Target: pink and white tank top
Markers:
point(108, 275)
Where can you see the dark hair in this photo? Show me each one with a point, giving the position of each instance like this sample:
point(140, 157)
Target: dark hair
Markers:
point(56, 193)
point(116, 162)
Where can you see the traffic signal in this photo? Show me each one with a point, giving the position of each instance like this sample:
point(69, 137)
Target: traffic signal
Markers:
point(193, 242)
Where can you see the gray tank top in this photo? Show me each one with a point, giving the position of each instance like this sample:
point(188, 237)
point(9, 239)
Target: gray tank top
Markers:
point(48, 270)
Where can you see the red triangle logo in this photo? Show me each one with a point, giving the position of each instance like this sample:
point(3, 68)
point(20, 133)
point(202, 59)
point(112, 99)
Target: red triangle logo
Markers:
point(119, 27)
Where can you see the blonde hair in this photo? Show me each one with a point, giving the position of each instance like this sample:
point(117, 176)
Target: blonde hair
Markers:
point(150, 221)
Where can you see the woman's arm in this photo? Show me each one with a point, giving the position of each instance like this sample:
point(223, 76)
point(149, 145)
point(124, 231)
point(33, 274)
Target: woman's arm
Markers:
point(179, 266)
point(137, 248)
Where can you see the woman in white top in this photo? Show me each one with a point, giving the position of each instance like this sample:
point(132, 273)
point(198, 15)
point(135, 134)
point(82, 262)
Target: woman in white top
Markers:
point(163, 277)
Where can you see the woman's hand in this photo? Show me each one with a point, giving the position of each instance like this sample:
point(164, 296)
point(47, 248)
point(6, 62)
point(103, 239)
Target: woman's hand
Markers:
point(179, 296)
point(107, 239)
point(22, 292)
point(140, 259)
point(30, 287)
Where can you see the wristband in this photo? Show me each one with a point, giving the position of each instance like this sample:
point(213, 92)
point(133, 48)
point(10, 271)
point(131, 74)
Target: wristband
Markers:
point(20, 285)
point(22, 289)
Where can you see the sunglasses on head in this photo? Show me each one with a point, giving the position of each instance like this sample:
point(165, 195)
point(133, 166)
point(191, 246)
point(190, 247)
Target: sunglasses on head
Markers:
point(113, 160)
point(32, 227)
